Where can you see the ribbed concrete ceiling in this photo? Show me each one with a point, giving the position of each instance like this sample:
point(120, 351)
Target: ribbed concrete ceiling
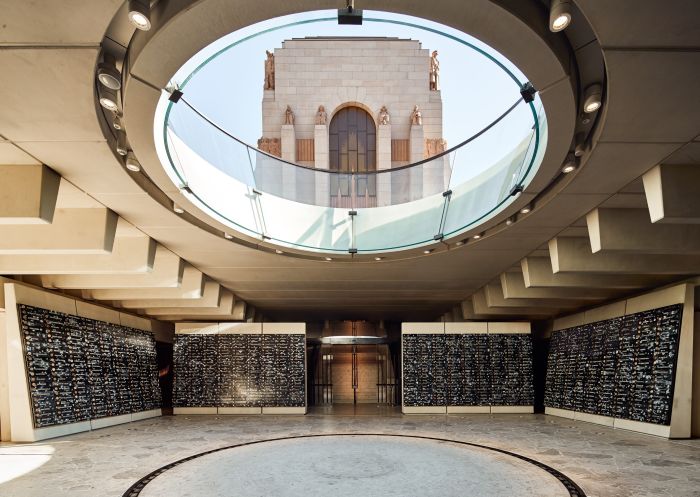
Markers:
point(48, 54)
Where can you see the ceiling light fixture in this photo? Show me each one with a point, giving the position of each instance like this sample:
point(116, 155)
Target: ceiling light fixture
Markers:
point(459, 243)
point(228, 236)
point(328, 258)
point(278, 251)
point(581, 146)
point(350, 15)
point(570, 164)
point(378, 258)
point(107, 72)
point(108, 99)
point(477, 236)
point(178, 209)
point(122, 147)
point(592, 98)
point(132, 164)
point(525, 209)
point(117, 121)
point(428, 251)
point(559, 15)
point(140, 14)
point(509, 221)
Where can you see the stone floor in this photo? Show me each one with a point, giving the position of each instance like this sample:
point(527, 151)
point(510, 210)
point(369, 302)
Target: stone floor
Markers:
point(603, 461)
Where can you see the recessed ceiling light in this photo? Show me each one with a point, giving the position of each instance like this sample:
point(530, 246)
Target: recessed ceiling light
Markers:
point(477, 236)
point(228, 236)
point(427, 251)
point(117, 121)
point(459, 243)
point(108, 99)
point(108, 74)
point(177, 208)
point(570, 164)
point(559, 15)
point(592, 98)
point(378, 258)
point(122, 147)
point(278, 251)
point(140, 14)
point(580, 147)
point(509, 221)
point(328, 258)
point(132, 164)
point(525, 209)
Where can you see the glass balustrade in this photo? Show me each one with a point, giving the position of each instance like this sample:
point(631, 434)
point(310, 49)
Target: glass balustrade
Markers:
point(365, 205)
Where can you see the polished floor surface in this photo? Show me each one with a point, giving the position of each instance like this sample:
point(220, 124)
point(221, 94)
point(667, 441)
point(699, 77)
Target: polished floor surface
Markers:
point(603, 461)
point(348, 466)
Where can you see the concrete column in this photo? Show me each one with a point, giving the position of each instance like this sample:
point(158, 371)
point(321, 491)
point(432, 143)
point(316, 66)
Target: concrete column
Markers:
point(416, 153)
point(289, 153)
point(321, 161)
point(383, 163)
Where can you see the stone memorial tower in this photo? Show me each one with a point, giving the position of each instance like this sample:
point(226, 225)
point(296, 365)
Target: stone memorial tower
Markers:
point(350, 104)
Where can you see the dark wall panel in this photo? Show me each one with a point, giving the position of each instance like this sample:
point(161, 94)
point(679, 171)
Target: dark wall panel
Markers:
point(282, 372)
point(467, 370)
point(240, 370)
point(424, 370)
point(80, 369)
point(622, 367)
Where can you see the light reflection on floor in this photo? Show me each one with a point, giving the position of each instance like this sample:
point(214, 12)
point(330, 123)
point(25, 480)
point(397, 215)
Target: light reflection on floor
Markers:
point(18, 460)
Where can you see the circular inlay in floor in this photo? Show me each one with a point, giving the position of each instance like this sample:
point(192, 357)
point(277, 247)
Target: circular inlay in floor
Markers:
point(355, 465)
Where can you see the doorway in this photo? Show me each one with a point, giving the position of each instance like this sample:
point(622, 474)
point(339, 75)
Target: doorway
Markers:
point(354, 374)
point(352, 149)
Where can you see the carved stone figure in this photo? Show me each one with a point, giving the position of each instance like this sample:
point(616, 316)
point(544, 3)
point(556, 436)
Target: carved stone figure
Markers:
point(321, 116)
point(434, 71)
point(416, 116)
point(269, 71)
point(289, 116)
point(434, 146)
point(270, 145)
point(384, 117)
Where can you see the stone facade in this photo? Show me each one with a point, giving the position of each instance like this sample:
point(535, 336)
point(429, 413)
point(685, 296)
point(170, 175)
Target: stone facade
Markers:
point(369, 73)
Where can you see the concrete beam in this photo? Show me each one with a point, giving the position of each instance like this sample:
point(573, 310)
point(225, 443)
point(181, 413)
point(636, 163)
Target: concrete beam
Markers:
point(191, 287)
point(27, 194)
point(537, 273)
point(513, 285)
point(211, 296)
point(495, 298)
point(574, 255)
point(73, 231)
point(129, 255)
point(167, 272)
point(238, 314)
point(673, 193)
point(476, 308)
point(223, 308)
point(629, 230)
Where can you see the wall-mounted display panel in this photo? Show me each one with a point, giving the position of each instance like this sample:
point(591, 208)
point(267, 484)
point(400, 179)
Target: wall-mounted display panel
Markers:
point(80, 369)
point(623, 367)
point(467, 368)
point(229, 369)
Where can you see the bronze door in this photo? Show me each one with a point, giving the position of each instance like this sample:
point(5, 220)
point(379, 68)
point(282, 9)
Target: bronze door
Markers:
point(352, 154)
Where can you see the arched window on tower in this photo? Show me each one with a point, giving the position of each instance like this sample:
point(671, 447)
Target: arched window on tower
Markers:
point(353, 149)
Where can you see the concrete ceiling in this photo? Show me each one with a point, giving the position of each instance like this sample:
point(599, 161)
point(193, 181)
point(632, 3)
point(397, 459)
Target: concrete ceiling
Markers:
point(48, 55)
